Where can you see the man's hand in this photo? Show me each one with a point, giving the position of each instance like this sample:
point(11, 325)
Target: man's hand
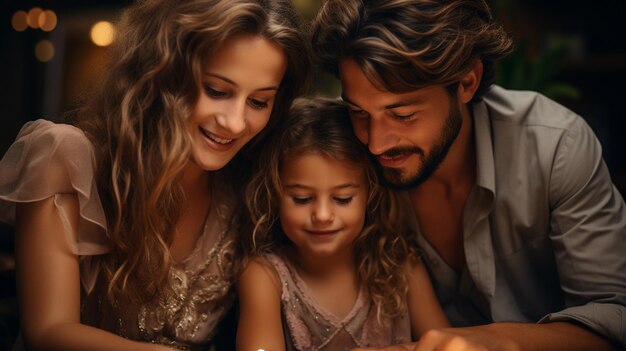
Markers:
point(507, 337)
point(457, 339)
point(466, 339)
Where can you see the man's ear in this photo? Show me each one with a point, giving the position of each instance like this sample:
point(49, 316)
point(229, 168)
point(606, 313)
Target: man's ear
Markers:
point(470, 82)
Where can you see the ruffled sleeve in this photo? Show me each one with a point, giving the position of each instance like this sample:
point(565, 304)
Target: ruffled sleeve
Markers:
point(49, 159)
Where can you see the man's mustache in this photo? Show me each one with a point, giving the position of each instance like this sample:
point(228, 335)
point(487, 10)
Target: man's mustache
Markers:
point(401, 151)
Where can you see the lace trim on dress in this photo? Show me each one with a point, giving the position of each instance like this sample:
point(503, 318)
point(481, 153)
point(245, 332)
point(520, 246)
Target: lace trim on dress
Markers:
point(300, 333)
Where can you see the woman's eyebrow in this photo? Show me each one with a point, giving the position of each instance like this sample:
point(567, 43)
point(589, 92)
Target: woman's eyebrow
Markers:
point(229, 81)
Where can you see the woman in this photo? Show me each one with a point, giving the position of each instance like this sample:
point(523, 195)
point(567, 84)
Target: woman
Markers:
point(124, 222)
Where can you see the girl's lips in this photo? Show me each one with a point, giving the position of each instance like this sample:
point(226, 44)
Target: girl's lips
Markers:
point(322, 232)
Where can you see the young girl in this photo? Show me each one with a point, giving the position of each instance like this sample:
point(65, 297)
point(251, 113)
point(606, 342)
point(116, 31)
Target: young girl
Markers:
point(124, 235)
point(332, 263)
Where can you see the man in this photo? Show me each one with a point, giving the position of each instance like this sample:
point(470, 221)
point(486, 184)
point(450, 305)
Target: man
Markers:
point(521, 228)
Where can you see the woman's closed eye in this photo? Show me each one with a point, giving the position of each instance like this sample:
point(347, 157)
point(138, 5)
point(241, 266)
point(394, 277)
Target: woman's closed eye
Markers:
point(258, 103)
point(214, 93)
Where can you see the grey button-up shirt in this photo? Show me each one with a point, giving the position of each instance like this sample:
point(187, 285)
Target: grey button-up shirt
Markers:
point(544, 228)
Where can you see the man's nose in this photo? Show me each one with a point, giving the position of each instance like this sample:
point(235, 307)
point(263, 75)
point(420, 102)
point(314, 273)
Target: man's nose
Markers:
point(380, 136)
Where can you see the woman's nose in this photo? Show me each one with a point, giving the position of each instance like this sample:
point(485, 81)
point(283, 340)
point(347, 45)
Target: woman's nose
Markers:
point(233, 118)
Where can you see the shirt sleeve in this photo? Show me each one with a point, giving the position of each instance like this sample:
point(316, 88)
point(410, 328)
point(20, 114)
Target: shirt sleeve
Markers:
point(588, 233)
point(56, 160)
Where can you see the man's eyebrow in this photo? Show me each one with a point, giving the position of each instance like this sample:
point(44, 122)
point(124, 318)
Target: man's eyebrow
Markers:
point(388, 107)
point(402, 103)
point(229, 81)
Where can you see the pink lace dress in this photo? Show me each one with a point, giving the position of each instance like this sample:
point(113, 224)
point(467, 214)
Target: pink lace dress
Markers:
point(307, 326)
point(56, 160)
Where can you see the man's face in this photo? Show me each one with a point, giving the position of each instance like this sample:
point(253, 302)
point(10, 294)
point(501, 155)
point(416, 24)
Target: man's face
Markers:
point(409, 134)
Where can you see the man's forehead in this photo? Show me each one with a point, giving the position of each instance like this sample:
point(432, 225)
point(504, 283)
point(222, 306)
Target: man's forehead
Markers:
point(359, 91)
point(355, 85)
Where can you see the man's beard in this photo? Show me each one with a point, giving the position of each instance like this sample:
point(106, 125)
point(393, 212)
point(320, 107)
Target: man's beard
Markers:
point(393, 177)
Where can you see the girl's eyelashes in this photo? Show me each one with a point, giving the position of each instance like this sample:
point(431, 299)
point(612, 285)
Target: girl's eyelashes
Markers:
point(343, 200)
point(305, 200)
point(301, 200)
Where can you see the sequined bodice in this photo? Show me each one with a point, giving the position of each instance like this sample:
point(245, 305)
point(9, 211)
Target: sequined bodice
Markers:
point(186, 316)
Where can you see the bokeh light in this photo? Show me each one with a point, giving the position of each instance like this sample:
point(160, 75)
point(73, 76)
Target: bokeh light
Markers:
point(44, 50)
point(47, 20)
point(19, 21)
point(102, 33)
point(33, 17)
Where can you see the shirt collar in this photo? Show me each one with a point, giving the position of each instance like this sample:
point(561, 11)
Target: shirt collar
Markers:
point(485, 170)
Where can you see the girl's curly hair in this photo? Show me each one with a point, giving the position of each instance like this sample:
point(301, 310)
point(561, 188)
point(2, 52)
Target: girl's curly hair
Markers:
point(322, 126)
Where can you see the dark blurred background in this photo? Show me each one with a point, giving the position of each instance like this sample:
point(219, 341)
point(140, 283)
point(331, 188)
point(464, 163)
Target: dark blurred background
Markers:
point(51, 52)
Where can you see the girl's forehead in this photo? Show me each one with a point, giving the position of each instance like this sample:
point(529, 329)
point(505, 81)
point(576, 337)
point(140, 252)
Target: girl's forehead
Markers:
point(320, 164)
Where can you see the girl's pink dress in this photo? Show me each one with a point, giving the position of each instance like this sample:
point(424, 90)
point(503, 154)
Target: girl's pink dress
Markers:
point(307, 326)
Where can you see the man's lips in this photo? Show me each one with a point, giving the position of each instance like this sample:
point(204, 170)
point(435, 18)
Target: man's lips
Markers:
point(392, 161)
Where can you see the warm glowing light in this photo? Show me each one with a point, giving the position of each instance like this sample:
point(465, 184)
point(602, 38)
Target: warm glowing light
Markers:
point(33, 17)
point(47, 20)
point(102, 33)
point(44, 50)
point(20, 21)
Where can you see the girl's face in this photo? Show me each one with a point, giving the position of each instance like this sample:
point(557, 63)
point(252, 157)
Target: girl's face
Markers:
point(240, 83)
point(322, 209)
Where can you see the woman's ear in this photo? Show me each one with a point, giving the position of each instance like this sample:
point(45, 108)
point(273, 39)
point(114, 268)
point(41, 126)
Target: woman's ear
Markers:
point(470, 82)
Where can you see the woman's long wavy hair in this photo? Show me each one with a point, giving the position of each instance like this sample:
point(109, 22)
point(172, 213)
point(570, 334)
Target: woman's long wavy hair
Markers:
point(404, 45)
point(136, 121)
point(381, 250)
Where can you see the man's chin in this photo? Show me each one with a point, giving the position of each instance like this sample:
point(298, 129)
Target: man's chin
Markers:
point(393, 178)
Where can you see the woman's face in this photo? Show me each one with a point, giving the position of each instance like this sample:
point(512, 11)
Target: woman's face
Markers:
point(240, 83)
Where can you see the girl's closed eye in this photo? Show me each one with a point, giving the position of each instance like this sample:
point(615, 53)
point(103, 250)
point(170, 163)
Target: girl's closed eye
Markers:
point(343, 200)
point(301, 200)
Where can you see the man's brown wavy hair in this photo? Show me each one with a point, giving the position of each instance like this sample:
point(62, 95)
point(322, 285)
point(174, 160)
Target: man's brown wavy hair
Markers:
point(404, 45)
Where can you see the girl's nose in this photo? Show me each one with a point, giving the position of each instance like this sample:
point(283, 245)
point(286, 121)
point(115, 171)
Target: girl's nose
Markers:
point(323, 213)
